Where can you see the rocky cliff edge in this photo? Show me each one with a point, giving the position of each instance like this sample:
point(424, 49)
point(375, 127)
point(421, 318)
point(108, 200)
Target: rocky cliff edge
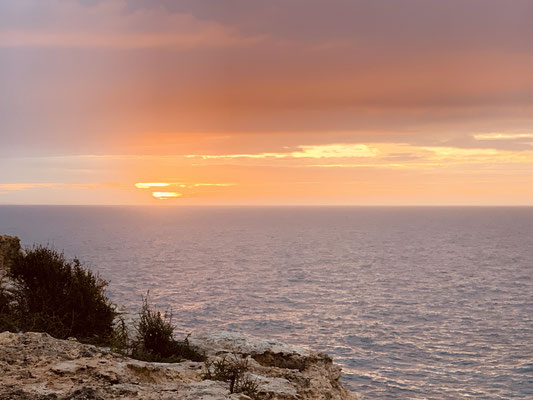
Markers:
point(36, 366)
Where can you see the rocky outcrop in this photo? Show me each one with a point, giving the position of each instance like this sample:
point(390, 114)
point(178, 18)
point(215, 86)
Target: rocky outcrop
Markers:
point(282, 369)
point(9, 249)
point(37, 366)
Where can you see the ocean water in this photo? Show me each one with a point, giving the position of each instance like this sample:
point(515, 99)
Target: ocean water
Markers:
point(414, 303)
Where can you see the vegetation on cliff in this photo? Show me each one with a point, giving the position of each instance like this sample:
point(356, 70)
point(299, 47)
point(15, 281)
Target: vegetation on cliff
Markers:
point(52, 294)
point(48, 293)
point(154, 338)
point(40, 290)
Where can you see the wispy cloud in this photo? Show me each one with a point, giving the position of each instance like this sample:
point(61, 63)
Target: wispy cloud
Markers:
point(109, 24)
point(29, 186)
point(68, 39)
point(377, 155)
point(503, 136)
point(24, 186)
point(341, 150)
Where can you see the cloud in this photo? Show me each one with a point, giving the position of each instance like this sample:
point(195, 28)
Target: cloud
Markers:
point(503, 136)
point(417, 66)
point(313, 151)
point(28, 186)
point(109, 24)
point(24, 186)
point(376, 155)
point(117, 40)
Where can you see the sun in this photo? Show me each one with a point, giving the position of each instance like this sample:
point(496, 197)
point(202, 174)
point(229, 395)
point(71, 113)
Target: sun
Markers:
point(166, 195)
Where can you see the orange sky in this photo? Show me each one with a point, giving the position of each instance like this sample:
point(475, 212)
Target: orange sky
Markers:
point(238, 102)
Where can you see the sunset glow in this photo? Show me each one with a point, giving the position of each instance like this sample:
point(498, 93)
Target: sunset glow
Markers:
point(149, 185)
point(354, 175)
point(165, 195)
point(408, 103)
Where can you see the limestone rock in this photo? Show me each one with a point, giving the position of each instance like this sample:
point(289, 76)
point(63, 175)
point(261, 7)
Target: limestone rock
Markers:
point(37, 366)
point(286, 372)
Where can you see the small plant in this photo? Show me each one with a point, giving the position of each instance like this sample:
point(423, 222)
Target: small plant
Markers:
point(154, 330)
point(233, 370)
point(60, 297)
point(155, 338)
point(248, 386)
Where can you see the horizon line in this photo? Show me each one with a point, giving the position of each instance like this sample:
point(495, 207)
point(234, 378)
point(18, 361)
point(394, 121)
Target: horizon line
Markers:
point(268, 205)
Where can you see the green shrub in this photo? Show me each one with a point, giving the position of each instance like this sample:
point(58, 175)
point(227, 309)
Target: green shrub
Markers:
point(60, 297)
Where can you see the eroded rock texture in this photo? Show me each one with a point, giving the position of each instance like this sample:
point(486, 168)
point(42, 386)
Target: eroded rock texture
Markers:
point(37, 366)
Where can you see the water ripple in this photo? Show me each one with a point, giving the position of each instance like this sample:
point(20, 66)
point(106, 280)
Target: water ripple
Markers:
point(429, 303)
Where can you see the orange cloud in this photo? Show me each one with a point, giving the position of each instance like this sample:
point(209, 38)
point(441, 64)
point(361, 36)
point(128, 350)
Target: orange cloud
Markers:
point(314, 151)
point(503, 136)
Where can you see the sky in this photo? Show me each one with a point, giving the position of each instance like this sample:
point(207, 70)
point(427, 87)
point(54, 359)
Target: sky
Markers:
point(239, 102)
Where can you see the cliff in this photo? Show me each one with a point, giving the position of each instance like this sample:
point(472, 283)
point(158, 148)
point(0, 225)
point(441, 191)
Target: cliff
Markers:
point(37, 366)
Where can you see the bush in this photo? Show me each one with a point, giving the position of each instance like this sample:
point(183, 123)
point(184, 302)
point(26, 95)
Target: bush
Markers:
point(155, 331)
point(155, 338)
point(60, 297)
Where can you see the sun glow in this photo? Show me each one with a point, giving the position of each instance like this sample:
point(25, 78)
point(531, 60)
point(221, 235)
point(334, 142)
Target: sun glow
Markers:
point(165, 195)
point(142, 185)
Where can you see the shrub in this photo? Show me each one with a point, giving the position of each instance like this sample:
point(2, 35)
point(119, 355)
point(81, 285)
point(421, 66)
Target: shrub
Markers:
point(51, 294)
point(154, 330)
point(233, 370)
point(60, 297)
point(155, 338)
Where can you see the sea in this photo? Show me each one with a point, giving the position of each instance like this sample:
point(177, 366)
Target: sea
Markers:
point(412, 302)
